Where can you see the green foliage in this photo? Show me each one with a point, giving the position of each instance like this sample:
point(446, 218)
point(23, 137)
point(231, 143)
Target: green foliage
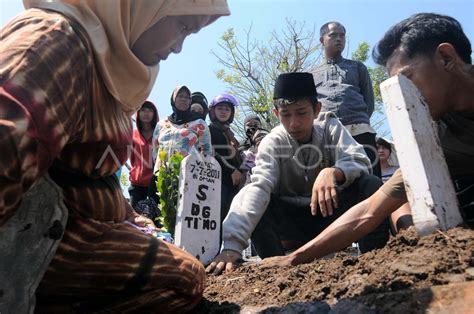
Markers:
point(362, 52)
point(124, 179)
point(377, 75)
point(168, 189)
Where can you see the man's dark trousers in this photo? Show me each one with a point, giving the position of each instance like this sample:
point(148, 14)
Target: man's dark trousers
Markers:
point(284, 221)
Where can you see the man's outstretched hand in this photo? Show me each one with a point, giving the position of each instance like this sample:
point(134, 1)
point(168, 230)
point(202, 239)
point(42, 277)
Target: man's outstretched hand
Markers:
point(224, 261)
point(277, 261)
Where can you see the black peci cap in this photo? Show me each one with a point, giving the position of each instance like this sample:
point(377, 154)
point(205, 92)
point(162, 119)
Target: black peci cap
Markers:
point(294, 85)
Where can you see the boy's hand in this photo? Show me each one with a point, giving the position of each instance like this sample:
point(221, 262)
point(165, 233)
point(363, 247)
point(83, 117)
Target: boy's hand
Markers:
point(324, 191)
point(225, 260)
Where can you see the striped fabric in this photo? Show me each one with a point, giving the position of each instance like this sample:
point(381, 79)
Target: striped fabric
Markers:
point(49, 122)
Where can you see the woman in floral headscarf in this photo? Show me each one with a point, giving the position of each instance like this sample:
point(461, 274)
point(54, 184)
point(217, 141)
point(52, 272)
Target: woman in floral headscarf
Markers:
point(73, 72)
point(181, 132)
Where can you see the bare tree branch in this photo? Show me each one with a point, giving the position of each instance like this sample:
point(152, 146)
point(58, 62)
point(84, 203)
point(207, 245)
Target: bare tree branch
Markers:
point(250, 69)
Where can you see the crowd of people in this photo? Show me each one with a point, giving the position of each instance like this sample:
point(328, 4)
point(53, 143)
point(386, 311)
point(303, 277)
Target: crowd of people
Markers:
point(347, 98)
point(186, 132)
point(313, 185)
point(434, 53)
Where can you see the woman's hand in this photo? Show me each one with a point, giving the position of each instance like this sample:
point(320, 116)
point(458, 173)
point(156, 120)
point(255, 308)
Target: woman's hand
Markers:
point(236, 175)
point(143, 221)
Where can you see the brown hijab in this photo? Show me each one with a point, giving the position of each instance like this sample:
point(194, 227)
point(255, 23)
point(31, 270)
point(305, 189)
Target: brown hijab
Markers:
point(114, 26)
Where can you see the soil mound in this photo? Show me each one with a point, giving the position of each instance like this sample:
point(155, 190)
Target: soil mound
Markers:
point(402, 270)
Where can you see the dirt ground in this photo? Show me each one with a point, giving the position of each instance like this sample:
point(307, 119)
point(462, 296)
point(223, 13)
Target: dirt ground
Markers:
point(397, 278)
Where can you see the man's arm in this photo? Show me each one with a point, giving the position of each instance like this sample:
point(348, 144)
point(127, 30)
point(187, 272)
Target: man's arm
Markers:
point(366, 88)
point(357, 222)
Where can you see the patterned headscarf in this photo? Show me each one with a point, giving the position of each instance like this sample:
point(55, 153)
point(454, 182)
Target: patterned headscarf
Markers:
point(114, 26)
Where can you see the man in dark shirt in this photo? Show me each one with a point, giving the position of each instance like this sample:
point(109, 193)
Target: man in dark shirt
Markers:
point(345, 89)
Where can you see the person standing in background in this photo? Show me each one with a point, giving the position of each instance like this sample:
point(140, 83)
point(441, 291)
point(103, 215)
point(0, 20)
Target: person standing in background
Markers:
point(225, 147)
point(402, 217)
point(248, 147)
point(251, 124)
point(344, 88)
point(385, 151)
point(141, 158)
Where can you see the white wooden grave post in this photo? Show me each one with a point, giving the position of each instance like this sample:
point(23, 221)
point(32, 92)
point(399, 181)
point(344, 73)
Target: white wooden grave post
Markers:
point(199, 207)
point(425, 173)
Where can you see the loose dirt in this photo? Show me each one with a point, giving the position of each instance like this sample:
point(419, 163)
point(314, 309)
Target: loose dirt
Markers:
point(397, 278)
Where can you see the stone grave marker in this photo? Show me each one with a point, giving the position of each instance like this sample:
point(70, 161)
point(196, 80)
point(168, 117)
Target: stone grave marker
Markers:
point(428, 184)
point(198, 218)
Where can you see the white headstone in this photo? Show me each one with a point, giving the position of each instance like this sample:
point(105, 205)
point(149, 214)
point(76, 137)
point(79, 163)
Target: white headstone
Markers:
point(429, 188)
point(199, 207)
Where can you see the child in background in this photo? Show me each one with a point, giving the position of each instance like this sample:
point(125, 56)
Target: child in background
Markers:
point(199, 105)
point(251, 124)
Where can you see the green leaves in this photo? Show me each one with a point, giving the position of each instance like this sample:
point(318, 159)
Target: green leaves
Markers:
point(167, 185)
point(362, 52)
point(124, 179)
point(378, 75)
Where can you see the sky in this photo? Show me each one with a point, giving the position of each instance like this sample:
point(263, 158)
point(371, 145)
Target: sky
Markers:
point(365, 20)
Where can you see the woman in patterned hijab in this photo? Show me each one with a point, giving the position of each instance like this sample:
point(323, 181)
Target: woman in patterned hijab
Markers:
point(73, 73)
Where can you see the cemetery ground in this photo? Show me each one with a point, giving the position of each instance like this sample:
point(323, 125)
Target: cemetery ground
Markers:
point(432, 274)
